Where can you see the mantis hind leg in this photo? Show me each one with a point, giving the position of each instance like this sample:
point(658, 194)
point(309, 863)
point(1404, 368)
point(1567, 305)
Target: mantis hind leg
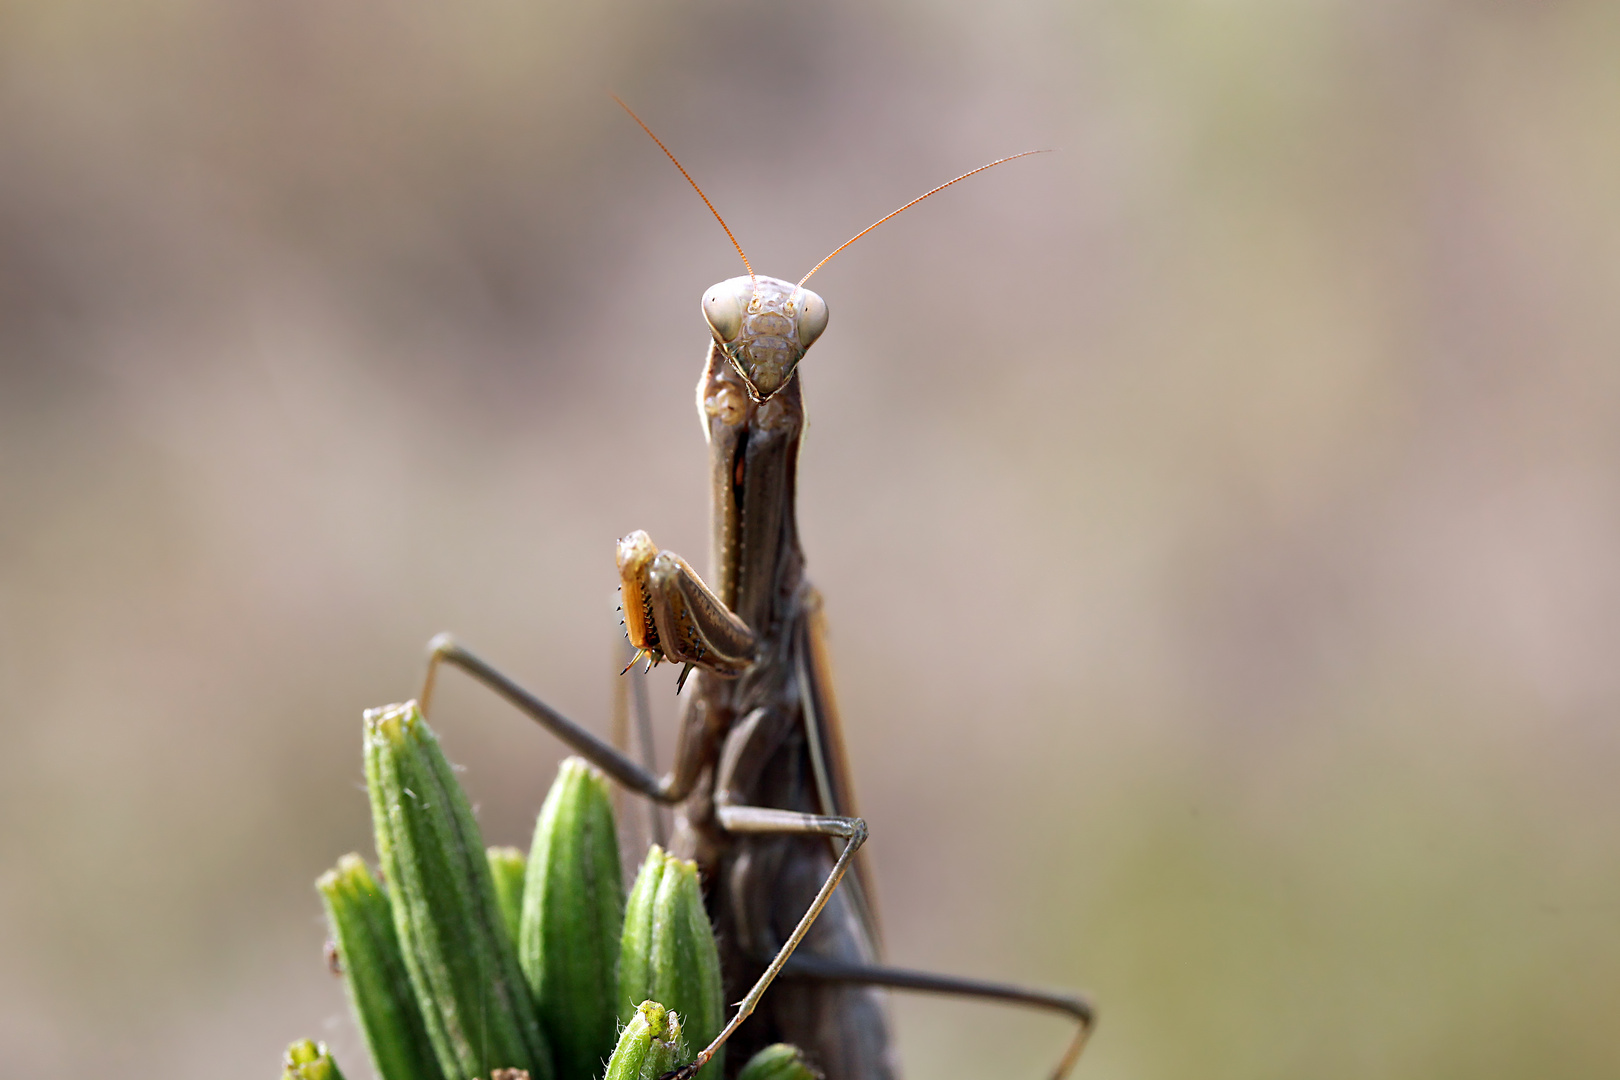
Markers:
point(1075, 1006)
point(737, 771)
point(744, 750)
point(771, 821)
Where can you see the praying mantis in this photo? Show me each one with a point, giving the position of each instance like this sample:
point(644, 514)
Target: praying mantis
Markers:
point(759, 785)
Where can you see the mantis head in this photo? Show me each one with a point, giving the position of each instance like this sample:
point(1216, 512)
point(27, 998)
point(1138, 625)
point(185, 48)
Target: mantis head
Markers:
point(765, 325)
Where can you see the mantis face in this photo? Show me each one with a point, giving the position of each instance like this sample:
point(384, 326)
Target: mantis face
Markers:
point(764, 325)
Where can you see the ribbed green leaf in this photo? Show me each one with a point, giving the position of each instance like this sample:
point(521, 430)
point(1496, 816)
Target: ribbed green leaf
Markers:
point(374, 971)
point(461, 959)
point(573, 915)
point(779, 1061)
point(668, 952)
point(649, 1046)
point(306, 1060)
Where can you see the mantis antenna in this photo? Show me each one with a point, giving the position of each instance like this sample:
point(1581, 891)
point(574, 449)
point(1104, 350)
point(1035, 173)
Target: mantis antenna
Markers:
point(886, 217)
point(699, 190)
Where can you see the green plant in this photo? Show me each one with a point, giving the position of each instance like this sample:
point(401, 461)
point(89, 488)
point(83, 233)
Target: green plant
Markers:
point(470, 963)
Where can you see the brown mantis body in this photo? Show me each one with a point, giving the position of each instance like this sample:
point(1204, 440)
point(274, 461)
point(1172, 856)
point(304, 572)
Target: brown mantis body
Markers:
point(759, 784)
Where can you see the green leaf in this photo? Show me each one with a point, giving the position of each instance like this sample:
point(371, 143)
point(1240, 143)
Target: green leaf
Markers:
point(668, 952)
point(649, 1046)
point(779, 1061)
point(306, 1060)
point(374, 972)
point(460, 957)
point(573, 915)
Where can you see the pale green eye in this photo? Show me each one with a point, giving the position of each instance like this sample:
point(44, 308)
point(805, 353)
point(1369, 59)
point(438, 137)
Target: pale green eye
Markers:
point(812, 317)
point(723, 310)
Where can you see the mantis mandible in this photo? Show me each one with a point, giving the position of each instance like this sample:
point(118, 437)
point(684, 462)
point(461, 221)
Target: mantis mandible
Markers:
point(759, 785)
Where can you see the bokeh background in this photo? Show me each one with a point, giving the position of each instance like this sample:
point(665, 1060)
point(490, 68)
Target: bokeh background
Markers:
point(1219, 517)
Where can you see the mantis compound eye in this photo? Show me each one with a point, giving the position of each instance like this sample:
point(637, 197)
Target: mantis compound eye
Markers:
point(723, 309)
point(812, 317)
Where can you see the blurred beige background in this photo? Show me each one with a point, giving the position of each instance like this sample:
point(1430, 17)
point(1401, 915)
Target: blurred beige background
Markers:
point(1219, 517)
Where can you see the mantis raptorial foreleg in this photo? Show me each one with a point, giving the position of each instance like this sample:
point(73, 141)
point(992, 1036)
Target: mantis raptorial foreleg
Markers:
point(669, 614)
